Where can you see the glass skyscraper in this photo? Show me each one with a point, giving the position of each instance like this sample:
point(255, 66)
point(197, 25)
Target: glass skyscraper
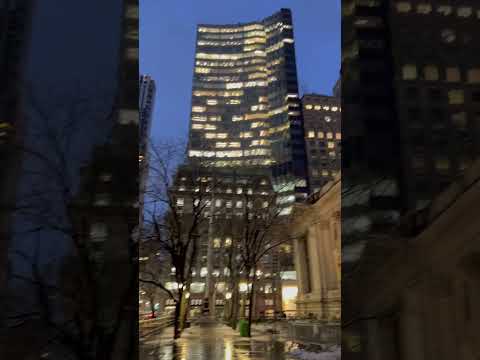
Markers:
point(246, 109)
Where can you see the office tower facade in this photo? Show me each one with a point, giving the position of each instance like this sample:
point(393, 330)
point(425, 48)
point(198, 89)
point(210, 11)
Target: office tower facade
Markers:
point(146, 107)
point(322, 123)
point(245, 104)
point(410, 96)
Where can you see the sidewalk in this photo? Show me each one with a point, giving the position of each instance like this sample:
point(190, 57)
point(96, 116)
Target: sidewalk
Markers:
point(210, 341)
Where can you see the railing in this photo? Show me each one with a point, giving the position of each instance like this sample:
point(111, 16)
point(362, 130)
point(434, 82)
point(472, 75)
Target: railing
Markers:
point(315, 332)
point(153, 326)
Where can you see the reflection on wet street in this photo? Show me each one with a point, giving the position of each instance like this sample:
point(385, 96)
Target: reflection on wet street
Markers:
point(212, 342)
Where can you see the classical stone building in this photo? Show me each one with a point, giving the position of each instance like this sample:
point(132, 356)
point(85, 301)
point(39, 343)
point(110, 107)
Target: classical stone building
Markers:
point(419, 301)
point(316, 233)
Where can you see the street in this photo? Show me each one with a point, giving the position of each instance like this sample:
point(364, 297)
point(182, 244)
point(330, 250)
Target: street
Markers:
point(211, 342)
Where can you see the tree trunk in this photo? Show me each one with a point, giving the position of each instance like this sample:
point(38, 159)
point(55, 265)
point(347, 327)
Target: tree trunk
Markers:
point(251, 305)
point(176, 319)
point(234, 307)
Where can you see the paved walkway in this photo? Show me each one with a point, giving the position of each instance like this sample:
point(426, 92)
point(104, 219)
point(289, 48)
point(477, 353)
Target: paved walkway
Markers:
point(212, 341)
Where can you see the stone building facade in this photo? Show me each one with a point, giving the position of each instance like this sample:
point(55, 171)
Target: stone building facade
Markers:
point(316, 234)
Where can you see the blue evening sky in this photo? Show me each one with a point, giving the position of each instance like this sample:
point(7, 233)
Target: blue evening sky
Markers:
point(167, 45)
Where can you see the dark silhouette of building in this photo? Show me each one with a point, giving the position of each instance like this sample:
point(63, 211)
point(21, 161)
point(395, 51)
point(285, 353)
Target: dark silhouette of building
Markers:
point(15, 20)
point(410, 86)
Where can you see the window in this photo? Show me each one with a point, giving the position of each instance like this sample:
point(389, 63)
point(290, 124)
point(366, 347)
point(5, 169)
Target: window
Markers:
point(311, 134)
point(442, 164)
point(424, 8)
point(464, 11)
point(218, 203)
point(338, 136)
point(308, 107)
point(328, 118)
point(203, 272)
point(418, 163)
point(228, 204)
point(459, 120)
point(444, 10)
point(448, 35)
point(431, 73)
point(455, 97)
point(330, 144)
point(98, 232)
point(321, 135)
point(180, 202)
point(239, 191)
point(199, 109)
point(228, 241)
point(473, 76)
point(102, 199)
point(409, 72)
point(404, 7)
point(239, 204)
point(217, 243)
point(329, 135)
point(453, 74)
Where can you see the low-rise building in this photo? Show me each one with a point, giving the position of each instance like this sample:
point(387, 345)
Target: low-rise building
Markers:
point(316, 233)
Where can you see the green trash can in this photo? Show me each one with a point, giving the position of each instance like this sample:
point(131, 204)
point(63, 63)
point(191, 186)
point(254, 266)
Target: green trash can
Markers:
point(243, 327)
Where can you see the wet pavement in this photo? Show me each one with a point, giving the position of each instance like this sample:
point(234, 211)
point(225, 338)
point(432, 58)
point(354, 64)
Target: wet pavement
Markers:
point(213, 342)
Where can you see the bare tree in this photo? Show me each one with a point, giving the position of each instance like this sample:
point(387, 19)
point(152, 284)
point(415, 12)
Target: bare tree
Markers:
point(49, 207)
point(176, 213)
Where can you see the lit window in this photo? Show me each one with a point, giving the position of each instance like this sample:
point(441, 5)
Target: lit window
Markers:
point(409, 72)
point(203, 272)
point(444, 10)
point(455, 97)
point(249, 191)
point(199, 109)
point(311, 134)
point(334, 108)
point(318, 107)
point(265, 204)
point(228, 241)
point(473, 76)
point(328, 118)
point(464, 11)
point(98, 232)
point(431, 73)
point(217, 243)
point(453, 74)
point(424, 8)
point(338, 136)
point(442, 164)
point(228, 204)
point(212, 102)
point(404, 7)
point(239, 191)
point(308, 107)
point(321, 134)
point(180, 202)
point(239, 204)
point(325, 172)
point(329, 135)
point(326, 107)
point(448, 35)
point(218, 203)
point(330, 144)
